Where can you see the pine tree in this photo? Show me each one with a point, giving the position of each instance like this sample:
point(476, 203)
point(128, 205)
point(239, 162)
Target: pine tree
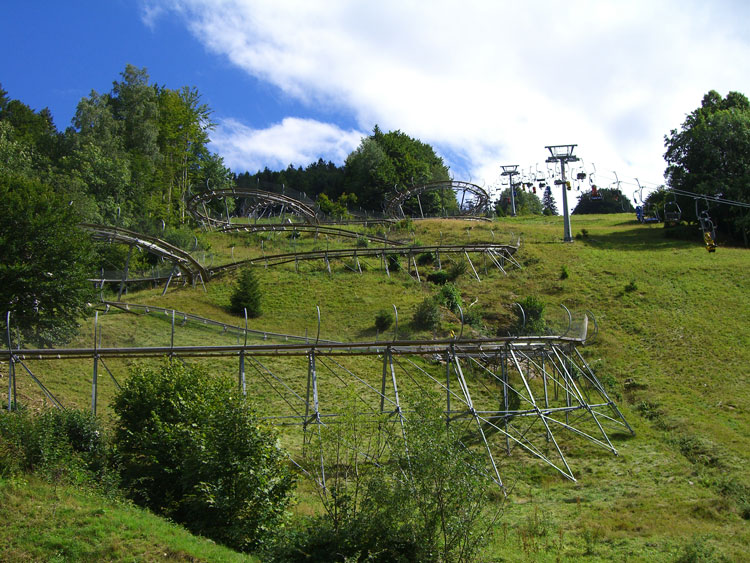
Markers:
point(549, 206)
point(247, 295)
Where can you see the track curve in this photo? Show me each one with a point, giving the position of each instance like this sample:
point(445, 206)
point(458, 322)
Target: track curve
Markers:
point(259, 199)
point(187, 265)
point(478, 198)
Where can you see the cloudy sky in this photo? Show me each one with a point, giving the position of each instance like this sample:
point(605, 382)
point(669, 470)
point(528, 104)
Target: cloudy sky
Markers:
point(485, 82)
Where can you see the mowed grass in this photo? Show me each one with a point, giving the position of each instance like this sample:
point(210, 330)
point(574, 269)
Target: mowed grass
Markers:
point(44, 522)
point(673, 349)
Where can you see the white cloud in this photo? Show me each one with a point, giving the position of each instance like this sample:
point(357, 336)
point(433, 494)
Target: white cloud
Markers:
point(489, 82)
point(293, 141)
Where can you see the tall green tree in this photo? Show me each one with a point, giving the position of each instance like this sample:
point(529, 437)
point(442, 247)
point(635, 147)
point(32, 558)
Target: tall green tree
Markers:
point(549, 206)
point(184, 123)
point(46, 262)
point(710, 154)
point(385, 162)
point(527, 203)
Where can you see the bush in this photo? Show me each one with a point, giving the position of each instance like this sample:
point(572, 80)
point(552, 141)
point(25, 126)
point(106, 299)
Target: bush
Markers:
point(450, 297)
point(393, 263)
point(438, 277)
point(427, 504)
point(425, 258)
point(427, 315)
point(362, 242)
point(473, 316)
point(533, 308)
point(383, 320)
point(68, 445)
point(190, 449)
point(631, 286)
point(246, 295)
point(457, 269)
point(564, 274)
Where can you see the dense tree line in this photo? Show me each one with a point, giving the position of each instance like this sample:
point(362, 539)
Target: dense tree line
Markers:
point(605, 200)
point(383, 163)
point(131, 156)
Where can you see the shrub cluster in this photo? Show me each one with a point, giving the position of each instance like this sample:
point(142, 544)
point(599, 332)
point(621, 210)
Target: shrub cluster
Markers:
point(190, 449)
point(383, 320)
point(427, 315)
point(425, 504)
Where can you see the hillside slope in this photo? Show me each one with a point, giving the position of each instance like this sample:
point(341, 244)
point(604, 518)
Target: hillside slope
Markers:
point(673, 349)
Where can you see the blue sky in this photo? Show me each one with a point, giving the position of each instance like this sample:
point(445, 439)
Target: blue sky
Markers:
point(486, 83)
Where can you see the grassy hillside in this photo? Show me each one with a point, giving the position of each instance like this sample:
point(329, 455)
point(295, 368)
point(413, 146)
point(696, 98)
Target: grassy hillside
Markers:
point(673, 348)
point(43, 522)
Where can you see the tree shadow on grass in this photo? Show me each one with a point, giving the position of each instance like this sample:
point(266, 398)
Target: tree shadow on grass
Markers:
point(640, 237)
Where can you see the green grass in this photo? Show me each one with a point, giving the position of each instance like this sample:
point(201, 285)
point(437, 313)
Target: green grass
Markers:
point(673, 349)
point(44, 522)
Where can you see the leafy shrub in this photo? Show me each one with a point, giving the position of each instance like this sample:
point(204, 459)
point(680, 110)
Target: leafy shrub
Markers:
point(438, 277)
point(427, 504)
point(449, 296)
point(383, 320)
point(427, 315)
point(393, 263)
point(190, 449)
point(473, 316)
point(533, 308)
point(246, 295)
point(363, 242)
point(68, 445)
point(405, 224)
point(631, 286)
point(457, 269)
point(181, 238)
point(564, 274)
point(425, 258)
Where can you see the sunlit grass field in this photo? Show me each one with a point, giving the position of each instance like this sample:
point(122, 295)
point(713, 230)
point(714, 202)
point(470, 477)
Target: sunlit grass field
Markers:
point(673, 349)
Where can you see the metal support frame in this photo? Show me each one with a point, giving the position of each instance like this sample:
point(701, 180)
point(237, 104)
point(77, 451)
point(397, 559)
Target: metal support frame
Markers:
point(505, 395)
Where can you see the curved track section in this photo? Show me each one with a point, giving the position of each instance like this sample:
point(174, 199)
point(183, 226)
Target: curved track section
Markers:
point(187, 265)
point(499, 254)
point(472, 199)
point(257, 200)
point(319, 229)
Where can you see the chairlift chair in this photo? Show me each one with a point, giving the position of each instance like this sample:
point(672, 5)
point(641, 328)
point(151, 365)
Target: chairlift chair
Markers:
point(672, 212)
point(707, 226)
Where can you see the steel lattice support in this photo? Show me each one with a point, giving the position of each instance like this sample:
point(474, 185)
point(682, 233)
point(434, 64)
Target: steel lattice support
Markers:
point(523, 396)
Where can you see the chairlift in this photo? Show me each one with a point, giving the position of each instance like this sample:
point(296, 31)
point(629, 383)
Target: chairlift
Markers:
point(567, 185)
point(595, 195)
point(581, 176)
point(648, 212)
point(707, 227)
point(672, 211)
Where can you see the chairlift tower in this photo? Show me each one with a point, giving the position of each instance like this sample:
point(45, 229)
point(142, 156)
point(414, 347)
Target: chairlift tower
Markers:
point(511, 170)
point(563, 154)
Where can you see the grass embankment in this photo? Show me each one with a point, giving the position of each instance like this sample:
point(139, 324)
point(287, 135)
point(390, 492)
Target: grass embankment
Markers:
point(44, 522)
point(673, 349)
